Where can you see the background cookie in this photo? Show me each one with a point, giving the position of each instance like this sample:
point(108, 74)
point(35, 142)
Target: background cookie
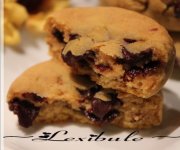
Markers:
point(29, 13)
point(40, 10)
point(136, 5)
point(166, 12)
point(176, 38)
point(12, 22)
point(48, 93)
point(113, 49)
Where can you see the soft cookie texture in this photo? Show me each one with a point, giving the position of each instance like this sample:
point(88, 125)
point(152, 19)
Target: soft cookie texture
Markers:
point(117, 48)
point(49, 93)
point(166, 12)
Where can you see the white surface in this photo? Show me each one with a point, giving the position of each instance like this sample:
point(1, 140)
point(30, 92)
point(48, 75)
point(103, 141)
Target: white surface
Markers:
point(36, 51)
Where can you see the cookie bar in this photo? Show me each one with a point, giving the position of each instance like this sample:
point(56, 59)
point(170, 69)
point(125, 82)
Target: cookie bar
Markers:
point(117, 48)
point(49, 93)
point(166, 12)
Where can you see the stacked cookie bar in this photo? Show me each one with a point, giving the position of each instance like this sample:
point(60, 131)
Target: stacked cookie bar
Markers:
point(108, 67)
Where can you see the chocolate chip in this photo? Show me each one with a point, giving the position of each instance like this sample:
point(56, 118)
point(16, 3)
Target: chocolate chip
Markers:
point(89, 56)
point(32, 6)
point(59, 35)
point(132, 59)
point(91, 116)
point(138, 64)
point(69, 58)
point(33, 97)
point(111, 115)
point(152, 67)
point(101, 111)
point(96, 88)
point(79, 61)
point(129, 41)
point(114, 98)
point(75, 61)
point(103, 67)
point(73, 36)
point(148, 68)
point(100, 108)
point(132, 73)
point(25, 111)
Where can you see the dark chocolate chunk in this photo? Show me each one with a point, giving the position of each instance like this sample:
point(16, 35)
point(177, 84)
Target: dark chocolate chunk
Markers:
point(25, 111)
point(129, 41)
point(91, 116)
point(89, 56)
point(75, 61)
point(132, 73)
point(79, 61)
point(100, 108)
point(33, 97)
point(103, 67)
point(32, 6)
point(148, 68)
point(73, 36)
point(137, 64)
point(59, 35)
point(101, 111)
point(69, 58)
point(152, 67)
point(130, 59)
point(114, 98)
point(133, 59)
point(111, 115)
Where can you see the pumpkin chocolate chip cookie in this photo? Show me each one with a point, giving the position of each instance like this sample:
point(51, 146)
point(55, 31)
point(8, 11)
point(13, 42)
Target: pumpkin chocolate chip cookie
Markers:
point(117, 48)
